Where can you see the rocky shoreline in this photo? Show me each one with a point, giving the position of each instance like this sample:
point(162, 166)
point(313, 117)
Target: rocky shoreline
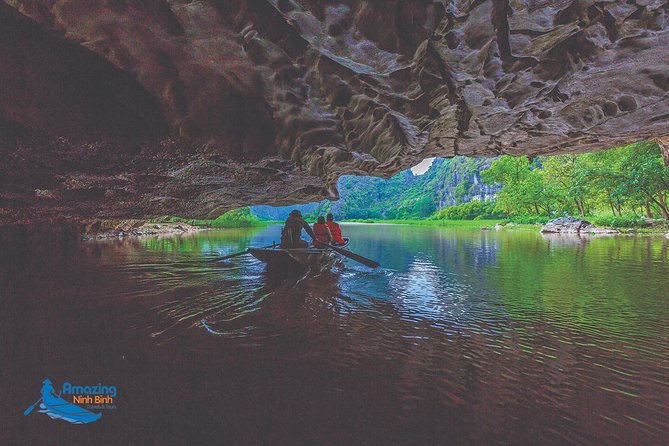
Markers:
point(113, 229)
point(571, 225)
point(577, 226)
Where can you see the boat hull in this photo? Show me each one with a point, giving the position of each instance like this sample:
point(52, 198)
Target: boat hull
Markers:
point(277, 257)
point(57, 407)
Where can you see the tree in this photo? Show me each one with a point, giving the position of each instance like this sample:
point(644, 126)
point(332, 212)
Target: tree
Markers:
point(632, 176)
point(645, 174)
point(569, 175)
point(524, 191)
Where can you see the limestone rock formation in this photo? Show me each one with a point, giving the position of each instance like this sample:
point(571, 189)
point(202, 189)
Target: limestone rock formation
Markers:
point(571, 225)
point(566, 225)
point(136, 108)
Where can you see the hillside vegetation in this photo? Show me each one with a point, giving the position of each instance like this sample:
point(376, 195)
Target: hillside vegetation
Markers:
point(447, 182)
point(620, 187)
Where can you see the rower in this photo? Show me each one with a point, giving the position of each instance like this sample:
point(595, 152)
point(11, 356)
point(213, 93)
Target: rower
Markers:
point(335, 230)
point(291, 234)
point(323, 235)
point(47, 389)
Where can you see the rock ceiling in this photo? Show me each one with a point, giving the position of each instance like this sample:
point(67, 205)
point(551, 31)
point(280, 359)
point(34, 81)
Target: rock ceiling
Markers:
point(137, 108)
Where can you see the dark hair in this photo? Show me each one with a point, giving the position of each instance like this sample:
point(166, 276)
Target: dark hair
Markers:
point(330, 217)
point(321, 219)
point(296, 212)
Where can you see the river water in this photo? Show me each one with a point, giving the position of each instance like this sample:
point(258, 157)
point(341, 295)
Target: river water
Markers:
point(462, 336)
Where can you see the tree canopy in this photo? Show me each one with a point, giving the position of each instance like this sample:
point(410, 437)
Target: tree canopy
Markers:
point(630, 179)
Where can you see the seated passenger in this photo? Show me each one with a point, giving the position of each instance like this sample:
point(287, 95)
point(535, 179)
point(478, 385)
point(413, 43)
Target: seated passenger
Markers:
point(335, 230)
point(321, 232)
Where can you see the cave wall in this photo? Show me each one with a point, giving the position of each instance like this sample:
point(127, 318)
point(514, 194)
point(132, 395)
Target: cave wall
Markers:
point(137, 108)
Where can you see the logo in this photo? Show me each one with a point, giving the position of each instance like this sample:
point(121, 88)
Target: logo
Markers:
point(56, 406)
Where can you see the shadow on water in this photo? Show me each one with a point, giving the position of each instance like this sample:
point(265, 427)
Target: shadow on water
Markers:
point(242, 303)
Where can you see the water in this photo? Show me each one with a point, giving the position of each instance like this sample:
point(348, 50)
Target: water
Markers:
point(461, 337)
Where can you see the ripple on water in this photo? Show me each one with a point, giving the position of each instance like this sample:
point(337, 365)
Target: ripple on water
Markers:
point(502, 337)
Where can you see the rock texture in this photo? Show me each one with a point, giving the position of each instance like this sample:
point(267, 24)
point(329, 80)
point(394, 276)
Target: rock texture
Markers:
point(568, 225)
point(571, 225)
point(105, 229)
point(136, 108)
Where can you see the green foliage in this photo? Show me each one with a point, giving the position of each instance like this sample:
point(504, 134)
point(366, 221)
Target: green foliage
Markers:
point(524, 186)
point(469, 211)
point(631, 178)
point(618, 186)
point(461, 191)
point(237, 218)
point(400, 197)
point(529, 219)
point(570, 178)
point(403, 196)
point(622, 182)
point(618, 221)
point(475, 224)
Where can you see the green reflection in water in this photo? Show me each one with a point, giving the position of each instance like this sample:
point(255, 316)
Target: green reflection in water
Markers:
point(203, 242)
point(618, 284)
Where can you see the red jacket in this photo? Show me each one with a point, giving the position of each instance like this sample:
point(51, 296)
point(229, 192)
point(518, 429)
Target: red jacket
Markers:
point(335, 230)
point(322, 232)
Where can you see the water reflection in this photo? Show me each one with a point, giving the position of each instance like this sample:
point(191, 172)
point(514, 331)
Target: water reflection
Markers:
point(462, 337)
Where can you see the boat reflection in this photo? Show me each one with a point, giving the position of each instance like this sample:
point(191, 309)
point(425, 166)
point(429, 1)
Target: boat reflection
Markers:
point(243, 302)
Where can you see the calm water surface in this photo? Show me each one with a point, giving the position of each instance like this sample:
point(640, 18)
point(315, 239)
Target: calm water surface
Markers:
point(461, 337)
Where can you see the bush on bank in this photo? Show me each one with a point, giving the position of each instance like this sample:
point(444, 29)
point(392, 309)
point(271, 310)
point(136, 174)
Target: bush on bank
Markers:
point(236, 218)
point(473, 210)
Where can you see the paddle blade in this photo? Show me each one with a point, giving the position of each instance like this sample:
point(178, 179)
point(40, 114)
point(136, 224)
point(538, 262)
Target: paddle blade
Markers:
point(30, 409)
point(357, 257)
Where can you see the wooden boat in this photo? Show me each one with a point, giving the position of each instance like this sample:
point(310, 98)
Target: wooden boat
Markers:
point(287, 258)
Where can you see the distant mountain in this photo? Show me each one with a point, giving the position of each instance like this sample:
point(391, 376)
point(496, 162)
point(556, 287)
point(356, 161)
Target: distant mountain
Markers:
point(447, 182)
point(458, 180)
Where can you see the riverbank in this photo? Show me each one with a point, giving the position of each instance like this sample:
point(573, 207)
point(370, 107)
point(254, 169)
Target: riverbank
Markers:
point(112, 229)
point(475, 224)
point(217, 224)
point(503, 224)
point(237, 218)
point(464, 224)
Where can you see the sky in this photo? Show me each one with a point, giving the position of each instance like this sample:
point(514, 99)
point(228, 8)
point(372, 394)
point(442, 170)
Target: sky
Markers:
point(421, 168)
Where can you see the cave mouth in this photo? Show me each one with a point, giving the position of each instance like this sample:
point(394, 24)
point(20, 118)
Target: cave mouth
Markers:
point(622, 185)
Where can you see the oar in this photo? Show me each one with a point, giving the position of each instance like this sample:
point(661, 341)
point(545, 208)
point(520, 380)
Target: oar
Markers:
point(351, 255)
point(30, 409)
point(237, 254)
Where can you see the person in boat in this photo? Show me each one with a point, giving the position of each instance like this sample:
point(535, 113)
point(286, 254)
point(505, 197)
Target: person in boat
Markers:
point(335, 231)
point(47, 389)
point(291, 234)
point(322, 233)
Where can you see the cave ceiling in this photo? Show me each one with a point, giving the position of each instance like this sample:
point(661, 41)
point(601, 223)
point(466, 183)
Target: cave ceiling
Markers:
point(142, 108)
